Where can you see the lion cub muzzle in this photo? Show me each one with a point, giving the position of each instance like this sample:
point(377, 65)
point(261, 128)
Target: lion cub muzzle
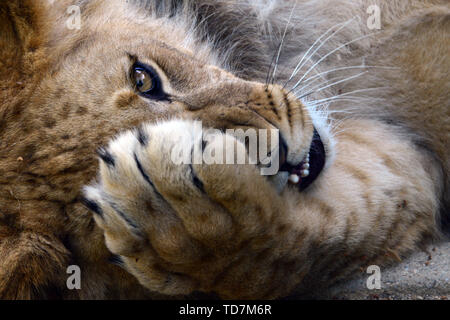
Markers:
point(250, 106)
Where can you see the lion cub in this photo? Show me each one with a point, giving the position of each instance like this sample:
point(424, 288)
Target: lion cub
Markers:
point(96, 97)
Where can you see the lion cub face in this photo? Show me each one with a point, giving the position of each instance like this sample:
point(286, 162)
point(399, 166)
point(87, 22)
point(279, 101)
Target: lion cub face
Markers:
point(118, 76)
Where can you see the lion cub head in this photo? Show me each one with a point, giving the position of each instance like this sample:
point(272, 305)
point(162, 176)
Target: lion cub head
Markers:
point(124, 67)
point(67, 91)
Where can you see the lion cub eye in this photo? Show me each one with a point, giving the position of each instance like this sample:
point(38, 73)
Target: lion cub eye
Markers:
point(143, 80)
point(147, 82)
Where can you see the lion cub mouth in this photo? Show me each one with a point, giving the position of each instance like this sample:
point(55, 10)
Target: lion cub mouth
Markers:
point(307, 171)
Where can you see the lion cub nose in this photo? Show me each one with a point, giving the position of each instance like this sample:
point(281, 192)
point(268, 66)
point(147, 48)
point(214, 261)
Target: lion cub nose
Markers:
point(282, 110)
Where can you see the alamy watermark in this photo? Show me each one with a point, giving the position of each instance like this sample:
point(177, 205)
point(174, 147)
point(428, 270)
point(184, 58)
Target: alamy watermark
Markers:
point(374, 281)
point(236, 146)
point(74, 280)
point(374, 20)
point(74, 21)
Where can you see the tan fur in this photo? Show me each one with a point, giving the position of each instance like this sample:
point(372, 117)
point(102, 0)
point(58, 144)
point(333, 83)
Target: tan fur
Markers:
point(64, 93)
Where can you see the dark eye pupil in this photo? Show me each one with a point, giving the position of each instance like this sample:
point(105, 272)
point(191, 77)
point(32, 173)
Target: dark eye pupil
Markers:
point(143, 80)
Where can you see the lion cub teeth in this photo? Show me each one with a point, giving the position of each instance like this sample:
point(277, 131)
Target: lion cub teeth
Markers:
point(304, 173)
point(293, 178)
point(301, 172)
point(305, 168)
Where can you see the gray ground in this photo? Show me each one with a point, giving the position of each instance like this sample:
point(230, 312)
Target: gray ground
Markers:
point(422, 276)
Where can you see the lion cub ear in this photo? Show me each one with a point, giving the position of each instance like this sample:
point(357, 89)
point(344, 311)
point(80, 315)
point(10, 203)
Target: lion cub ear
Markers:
point(22, 31)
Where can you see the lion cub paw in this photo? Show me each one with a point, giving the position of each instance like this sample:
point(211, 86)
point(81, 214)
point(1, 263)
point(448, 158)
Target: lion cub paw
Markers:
point(170, 223)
